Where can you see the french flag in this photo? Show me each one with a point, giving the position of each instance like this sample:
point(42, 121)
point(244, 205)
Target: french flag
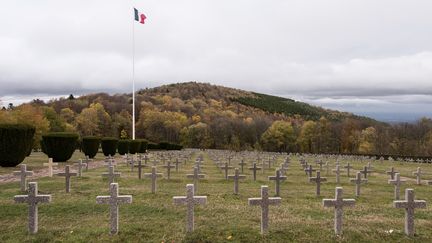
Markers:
point(140, 17)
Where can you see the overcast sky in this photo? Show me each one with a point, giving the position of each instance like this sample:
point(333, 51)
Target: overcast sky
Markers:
point(370, 57)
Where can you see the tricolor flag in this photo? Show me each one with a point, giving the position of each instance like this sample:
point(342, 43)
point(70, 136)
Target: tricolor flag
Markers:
point(140, 17)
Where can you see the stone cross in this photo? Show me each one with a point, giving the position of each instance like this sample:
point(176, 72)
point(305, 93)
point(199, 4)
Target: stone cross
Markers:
point(140, 166)
point(80, 165)
point(195, 176)
point(114, 200)
point(50, 165)
point(309, 171)
point(190, 200)
point(358, 181)
point(242, 164)
point(418, 174)
point(254, 168)
point(236, 177)
point(366, 171)
point(67, 174)
point(397, 182)
point(33, 198)
point(87, 160)
point(392, 173)
point(327, 168)
point(409, 204)
point(338, 203)
point(264, 202)
point(153, 176)
point(168, 166)
point(318, 179)
point(199, 166)
point(348, 167)
point(320, 163)
point(132, 162)
point(337, 171)
point(277, 178)
point(23, 173)
point(226, 168)
point(177, 162)
point(111, 174)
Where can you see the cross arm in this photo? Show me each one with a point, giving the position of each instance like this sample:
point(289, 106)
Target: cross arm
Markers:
point(256, 201)
point(274, 200)
point(329, 202)
point(103, 199)
point(349, 202)
point(200, 200)
point(124, 199)
point(179, 200)
point(21, 199)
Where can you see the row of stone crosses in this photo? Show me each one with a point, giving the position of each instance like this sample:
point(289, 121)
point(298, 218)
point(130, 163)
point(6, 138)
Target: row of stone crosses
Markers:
point(190, 200)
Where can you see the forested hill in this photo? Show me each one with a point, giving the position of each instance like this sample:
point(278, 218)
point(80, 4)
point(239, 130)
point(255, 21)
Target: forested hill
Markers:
point(202, 115)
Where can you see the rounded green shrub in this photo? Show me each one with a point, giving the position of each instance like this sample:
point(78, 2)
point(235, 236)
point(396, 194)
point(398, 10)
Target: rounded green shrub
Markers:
point(109, 146)
point(60, 145)
point(134, 146)
point(123, 146)
point(15, 142)
point(90, 146)
point(143, 147)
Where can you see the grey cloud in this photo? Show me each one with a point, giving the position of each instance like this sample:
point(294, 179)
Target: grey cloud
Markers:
point(325, 52)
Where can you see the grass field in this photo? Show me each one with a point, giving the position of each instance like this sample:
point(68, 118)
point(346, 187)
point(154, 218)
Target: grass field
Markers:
point(75, 217)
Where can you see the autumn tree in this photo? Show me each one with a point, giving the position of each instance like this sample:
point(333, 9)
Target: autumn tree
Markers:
point(278, 137)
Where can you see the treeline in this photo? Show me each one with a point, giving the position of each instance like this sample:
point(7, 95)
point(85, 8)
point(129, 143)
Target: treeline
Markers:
point(207, 116)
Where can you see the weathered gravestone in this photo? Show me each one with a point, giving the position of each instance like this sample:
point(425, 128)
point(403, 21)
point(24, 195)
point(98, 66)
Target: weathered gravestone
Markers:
point(391, 173)
point(67, 174)
point(80, 166)
point(358, 181)
point(153, 176)
point(226, 167)
point(254, 168)
point(50, 165)
point(366, 171)
point(264, 202)
point(397, 182)
point(418, 173)
point(190, 200)
point(409, 204)
point(309, 171)
point(168, 166)
point(277, 178)
point(195, 176)
point(242, 164)
point(33, 199)
point(318, 179)
point(114, 200)
point(111, 175)
point(348, 168)
point(338, 203)
point(23, 173)
point(337, 171)
point(236, 177)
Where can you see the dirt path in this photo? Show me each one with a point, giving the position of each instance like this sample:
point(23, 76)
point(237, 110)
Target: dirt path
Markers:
point(6, 178)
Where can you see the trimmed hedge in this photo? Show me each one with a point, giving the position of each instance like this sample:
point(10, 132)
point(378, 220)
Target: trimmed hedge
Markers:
point(109, 146)
point(60, 145)
point(151, 145)
point(123, 146)
point(134, 146)
point(90, 146)
point(15, 142)
point(143, 147)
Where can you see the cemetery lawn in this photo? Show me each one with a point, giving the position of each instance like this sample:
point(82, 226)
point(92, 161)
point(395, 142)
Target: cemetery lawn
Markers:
point(75, 217)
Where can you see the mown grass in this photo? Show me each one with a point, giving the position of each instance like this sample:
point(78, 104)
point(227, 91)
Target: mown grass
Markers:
point(75, 217)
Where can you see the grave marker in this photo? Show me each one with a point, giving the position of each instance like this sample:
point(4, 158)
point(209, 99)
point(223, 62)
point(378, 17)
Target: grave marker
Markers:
point(190, 200)
point(67, 174)
point(23, 173)
point(33, 199)
point(264, 202)
point(338, 203)
point(409, 204)
point(114, 200)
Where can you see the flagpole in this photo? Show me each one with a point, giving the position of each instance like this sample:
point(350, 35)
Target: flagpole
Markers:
point(133, 79)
